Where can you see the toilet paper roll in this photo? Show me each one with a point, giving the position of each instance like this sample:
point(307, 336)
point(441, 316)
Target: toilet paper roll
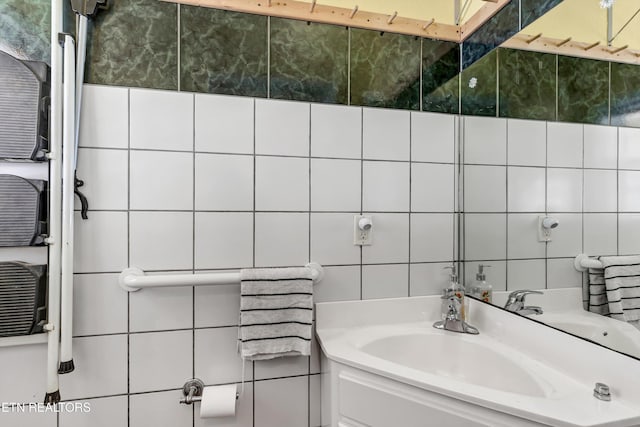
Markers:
point(218, 401)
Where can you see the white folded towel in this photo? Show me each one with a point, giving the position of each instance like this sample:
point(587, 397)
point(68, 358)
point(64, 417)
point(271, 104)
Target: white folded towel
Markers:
point(276, 312)
point(622, 283)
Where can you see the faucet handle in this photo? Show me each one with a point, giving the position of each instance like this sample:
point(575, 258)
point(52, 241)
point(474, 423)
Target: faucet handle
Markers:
point(520, 295)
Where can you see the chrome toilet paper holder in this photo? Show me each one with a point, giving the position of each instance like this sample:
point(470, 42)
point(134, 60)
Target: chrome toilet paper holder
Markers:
point(192, 391)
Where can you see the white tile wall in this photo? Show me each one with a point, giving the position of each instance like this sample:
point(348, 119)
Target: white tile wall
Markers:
point(205, 218)
point(564, 144)
point(336, 131)
point(386, 134)
point(485, 140)
point(527, 143)
point(159, 409)
point(335, 185)
point(224, 124)
point(600, 190)
point(629, 150)
point(161, 180)
point(485, 188)
point(161, 120)
point(564, 190)
point(104, 412)
point(105, 117)
point(385, 281)
point(223, 182)
point(282, 127)
point(433, 137)
point(385, 186)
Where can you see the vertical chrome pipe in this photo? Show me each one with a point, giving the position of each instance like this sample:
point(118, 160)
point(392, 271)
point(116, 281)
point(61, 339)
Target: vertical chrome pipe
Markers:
point(55, 199)
point(68, 174)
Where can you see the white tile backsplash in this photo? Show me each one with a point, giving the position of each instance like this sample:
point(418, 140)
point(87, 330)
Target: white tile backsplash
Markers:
point(104, 412)
point(106, 178)
point(385, 186)
point(332, 239)
point(170, 353)
point(161, 240)
point(161, 120)
point(281, 239)
point(629, 191)
point(282, 127)
point(216, 305)
point(338, 284)
point(564, 190)
point(100, 242)
point(432, 187)
point(386, 134)
point(432, 237)
point(336, 131)
point(526, 189)
point(566, 237)
point(282, 402)
point(485, 140)
point(99, 305)
point(601, 233)
point(485, 236)
point(390, 239)
point(600, 190)
point(216, 357)
point(562, 273)
point(105, 117)
point(600, 147)
point(628, 234)
point(526, 274)
point(564, 144)
point(485, 188)
point(159, 409)
point(385, 281)
point(223, 182)
point(523, 237)
point(99, 367)
point(161, 309)
point(336, 185)
point(433, 137)
point(282, 184)
point(224, 124)
point(428, 278)
point(629, 148)
point(527, 140)
point(161, 180)
point(214, 231)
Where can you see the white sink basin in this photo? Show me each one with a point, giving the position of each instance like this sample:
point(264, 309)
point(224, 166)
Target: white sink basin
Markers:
point(603, 330)
point(459, 357)
point(514, 366)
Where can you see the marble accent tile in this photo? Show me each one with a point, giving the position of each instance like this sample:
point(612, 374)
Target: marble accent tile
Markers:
point(625, 95)
point(385, 70)
point(25, 29)
point(527, 87)
point(583, 90)
point(309, 61)
point(478, 87)
point(134, 43)
point(501, 27)
point(223, 52)
point(533, 9)
point(440, 68)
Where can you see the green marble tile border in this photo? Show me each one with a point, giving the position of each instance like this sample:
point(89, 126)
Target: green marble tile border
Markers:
point(583, 90)
point(385, 70)
point(223, 52)
point(527, 84)
point(625, 95)
point(478, 91)
point(309, 61)
point(134, 43)
point(440, 83)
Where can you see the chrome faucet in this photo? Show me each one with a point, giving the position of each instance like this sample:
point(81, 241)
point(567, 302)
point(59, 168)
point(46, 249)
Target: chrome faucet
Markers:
point(453, 320)
point(515, 303)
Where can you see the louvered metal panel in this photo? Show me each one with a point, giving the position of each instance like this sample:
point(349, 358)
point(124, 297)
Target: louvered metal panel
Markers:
point(24, 94)
point(23, 292)
point(23, 211)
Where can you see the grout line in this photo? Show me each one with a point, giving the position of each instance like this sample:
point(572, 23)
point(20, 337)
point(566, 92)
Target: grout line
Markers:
point(128, 255)
point(361, 196)
point(410, 183)
point(179, 45)
point(193, 256)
